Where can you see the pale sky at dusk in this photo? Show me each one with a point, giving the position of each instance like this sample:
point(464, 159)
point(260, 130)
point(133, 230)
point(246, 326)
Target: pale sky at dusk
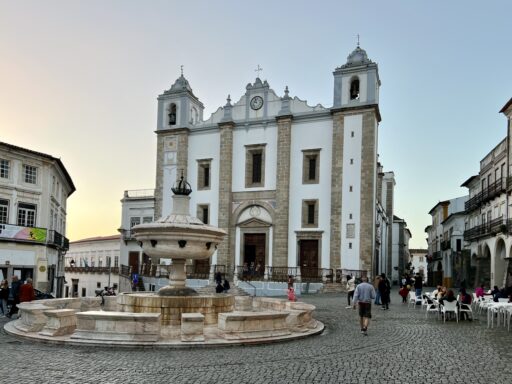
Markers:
point(79, 81)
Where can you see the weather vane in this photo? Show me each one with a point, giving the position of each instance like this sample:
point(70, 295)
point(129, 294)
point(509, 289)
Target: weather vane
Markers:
point(181, 70)
point(259, 69)
point(358, 40)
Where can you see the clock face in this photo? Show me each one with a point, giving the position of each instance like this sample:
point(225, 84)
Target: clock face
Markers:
point(256, 103)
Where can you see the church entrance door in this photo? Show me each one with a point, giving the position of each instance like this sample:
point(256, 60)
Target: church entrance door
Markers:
point(254, 253)
point(308, 258)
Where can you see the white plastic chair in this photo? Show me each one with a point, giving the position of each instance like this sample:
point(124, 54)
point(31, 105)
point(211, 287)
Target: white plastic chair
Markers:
point(448, 307)
point(432, 306)
point(466, 308)
point(412, 298)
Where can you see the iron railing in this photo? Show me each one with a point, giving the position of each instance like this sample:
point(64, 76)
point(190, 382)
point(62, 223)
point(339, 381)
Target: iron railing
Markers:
point(114, 270)
point(494, 189)
point(493, 227)
point(280, 273)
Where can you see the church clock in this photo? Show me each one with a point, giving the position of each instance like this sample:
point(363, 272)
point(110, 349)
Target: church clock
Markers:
point(256, 102)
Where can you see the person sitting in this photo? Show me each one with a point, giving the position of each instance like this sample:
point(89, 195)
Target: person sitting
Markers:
point(219, 288)
point(479, 291)
point(449, 297)
point(495, 293)
point(226, 285)
point(465, 301)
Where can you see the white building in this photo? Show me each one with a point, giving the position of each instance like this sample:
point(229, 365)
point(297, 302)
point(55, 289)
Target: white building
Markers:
point(34, 188)
point(92, 264)
point(444, 240)
point(400, 249)
point(418, 263)
point(294, 185)
point(488, 225)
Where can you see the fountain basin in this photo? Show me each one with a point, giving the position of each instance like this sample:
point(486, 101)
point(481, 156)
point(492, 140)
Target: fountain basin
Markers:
point(172, 307)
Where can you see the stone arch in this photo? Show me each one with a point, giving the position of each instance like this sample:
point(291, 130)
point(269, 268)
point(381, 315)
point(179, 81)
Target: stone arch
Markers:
point(354, 88)
point(483, 266)
point(500, 262)
point(252, 221)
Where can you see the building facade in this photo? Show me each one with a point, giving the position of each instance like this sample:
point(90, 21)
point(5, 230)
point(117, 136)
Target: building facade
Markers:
point(488, 227)
point(418, 263)
point(34, 188)
point(92, 264)
point(444, 238)
point(292, 184)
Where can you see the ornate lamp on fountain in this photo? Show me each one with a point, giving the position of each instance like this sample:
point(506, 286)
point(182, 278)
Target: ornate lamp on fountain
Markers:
point(179, 237)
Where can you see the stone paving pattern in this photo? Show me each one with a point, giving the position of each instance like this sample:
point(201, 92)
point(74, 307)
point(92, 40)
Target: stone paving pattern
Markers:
point(401, 347)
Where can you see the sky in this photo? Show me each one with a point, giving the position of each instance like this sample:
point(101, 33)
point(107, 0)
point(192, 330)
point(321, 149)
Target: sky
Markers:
point(79, 81)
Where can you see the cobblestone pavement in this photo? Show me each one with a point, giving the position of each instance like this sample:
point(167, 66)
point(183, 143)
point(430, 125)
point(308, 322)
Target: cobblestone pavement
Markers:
point(401, 347)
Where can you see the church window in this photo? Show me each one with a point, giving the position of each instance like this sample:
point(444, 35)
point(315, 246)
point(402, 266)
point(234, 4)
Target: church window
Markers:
point(172, 114)
point(204, 174)
point(147, 219)
point(255, 166)
point(309, 213)
point(352, 134)
point(354, 89)
point(351, 161)
point(350, 189)
point(311, 166)
point(203, 213)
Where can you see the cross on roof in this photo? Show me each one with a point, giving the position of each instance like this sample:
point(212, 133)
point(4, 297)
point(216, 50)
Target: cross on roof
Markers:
point(358, 39)
point(181, 70)
point(259, 69)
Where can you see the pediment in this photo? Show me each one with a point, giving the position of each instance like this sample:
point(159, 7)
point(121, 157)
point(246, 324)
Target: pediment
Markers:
point(254, 223)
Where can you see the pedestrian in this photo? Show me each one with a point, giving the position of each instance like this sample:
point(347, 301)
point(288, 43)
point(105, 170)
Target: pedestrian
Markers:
point(385, 290)
point(291, 281)
point(219, 288)
point(418, 287)
point(15, 293)
point(364, 294)
point(4, 296)
point(27, 292)
point(291, 294)
point(376, 282)
point(351, 287)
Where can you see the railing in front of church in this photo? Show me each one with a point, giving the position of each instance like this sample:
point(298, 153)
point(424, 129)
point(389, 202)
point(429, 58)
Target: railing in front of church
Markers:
point(268, 273)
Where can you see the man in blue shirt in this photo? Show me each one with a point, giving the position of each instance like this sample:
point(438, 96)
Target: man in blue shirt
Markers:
point(363, 296)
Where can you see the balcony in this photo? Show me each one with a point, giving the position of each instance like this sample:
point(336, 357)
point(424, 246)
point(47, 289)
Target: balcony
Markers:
point(114, 270)
point(487, 194)
point(445, 245)
point(20, 234)
point(126, 235)
point(491, 228)
point(437, 256)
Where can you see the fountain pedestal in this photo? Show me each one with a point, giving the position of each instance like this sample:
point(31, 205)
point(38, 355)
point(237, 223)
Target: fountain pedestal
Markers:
point(177, 280)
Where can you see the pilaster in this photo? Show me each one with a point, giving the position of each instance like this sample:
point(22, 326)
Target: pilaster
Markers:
point(280, 247)
point(336, 188)
point(368, 191)
point(225, 255)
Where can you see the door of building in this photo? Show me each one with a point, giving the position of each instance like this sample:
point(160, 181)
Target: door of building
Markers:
point(254, 252)
point(308, 258)
point(133, 261)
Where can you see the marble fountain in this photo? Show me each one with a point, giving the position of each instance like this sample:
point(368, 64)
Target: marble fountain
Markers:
point(176, 315)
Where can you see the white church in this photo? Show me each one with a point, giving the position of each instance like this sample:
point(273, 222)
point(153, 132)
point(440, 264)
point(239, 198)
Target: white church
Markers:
point(294, 185)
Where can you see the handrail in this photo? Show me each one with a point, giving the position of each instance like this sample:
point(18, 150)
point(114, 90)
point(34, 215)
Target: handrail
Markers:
point(248, 282)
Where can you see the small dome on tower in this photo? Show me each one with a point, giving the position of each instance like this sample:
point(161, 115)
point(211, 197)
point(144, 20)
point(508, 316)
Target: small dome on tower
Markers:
point(357, 57)
point(180, 85)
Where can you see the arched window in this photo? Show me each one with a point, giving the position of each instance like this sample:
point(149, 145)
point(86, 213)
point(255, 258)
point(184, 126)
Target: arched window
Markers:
point(354, 89)
point(172, 114)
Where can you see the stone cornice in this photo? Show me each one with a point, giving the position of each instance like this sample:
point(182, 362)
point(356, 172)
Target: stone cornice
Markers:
point(173, 130)
point(358, 108)
point(226, 124)
point(284, 117)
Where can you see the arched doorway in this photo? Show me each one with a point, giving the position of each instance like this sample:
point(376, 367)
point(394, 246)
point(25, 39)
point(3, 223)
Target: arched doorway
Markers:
point(438, 274)
point(254, 232)
point(500, 263)
point(483, 266)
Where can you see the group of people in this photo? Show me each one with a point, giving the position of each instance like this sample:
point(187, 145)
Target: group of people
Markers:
point(363, 294)
point(18, 292)
point(381, 286)
point(407, 284)
point(221, 287)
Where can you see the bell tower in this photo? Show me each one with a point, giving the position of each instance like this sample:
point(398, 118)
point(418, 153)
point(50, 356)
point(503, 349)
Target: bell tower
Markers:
point(356, 118)
point(357, 82)
point(178, 107)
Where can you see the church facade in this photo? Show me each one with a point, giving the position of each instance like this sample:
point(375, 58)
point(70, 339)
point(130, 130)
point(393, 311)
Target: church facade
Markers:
point(294, 185)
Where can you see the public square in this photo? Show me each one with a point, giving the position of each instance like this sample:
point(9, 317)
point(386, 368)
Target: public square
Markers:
point(401, 347)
